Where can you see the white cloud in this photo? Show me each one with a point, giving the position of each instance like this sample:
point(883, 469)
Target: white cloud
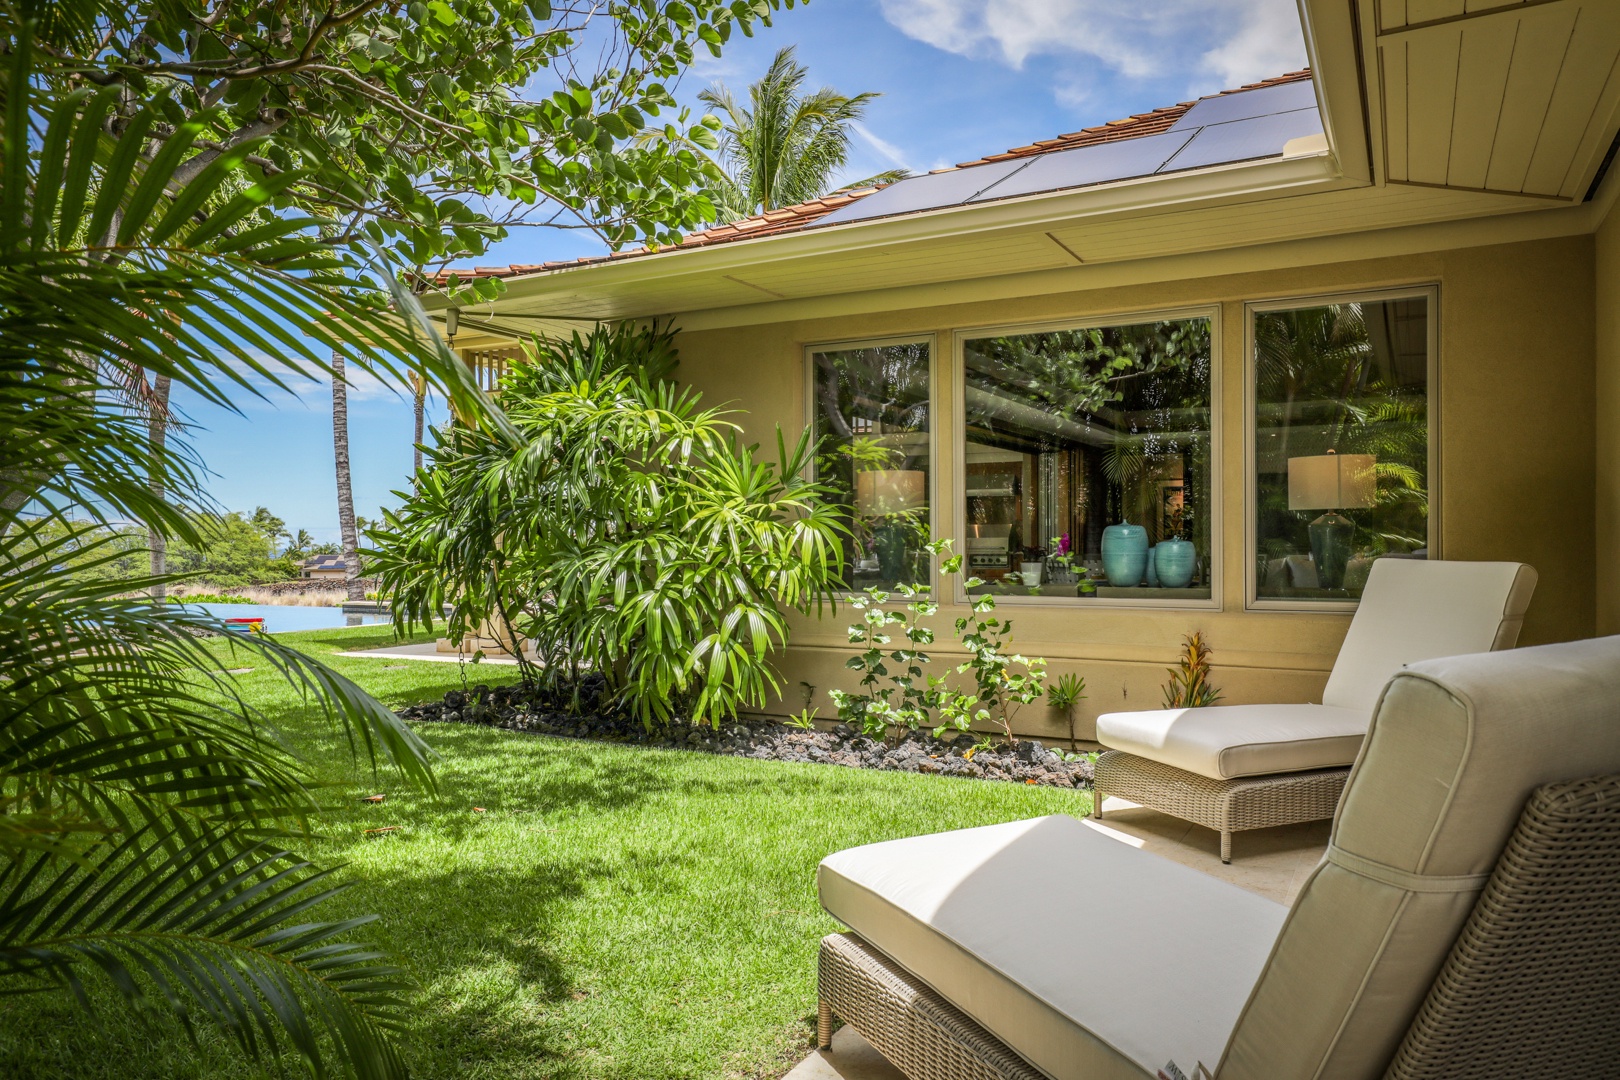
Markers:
point(1269, 42)
point(1217, 43)
point(885, 149)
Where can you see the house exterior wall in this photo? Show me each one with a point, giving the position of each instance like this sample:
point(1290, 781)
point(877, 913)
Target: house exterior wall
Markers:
point(1606, 502)
point(1515, 422)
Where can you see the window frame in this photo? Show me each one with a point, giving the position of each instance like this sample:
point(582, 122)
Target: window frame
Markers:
point(958, 375)
point(808, 386)
point(1251, 541)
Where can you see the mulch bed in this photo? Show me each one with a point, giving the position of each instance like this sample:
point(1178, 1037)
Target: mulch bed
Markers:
point(532, 709)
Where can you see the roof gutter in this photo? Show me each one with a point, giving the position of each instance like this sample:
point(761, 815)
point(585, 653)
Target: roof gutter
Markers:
point(1271, 178)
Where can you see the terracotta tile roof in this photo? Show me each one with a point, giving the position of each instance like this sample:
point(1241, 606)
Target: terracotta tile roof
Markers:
point(802, 215)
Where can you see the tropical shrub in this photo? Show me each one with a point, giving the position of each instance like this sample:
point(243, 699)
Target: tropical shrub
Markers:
point(873, 710)
point(905, 697)
point(622, 529)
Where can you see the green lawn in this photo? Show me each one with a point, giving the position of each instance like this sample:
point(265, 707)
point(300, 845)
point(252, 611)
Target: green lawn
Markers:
point(615, 912)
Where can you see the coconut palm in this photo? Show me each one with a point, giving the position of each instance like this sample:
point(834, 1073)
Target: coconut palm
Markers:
point(784, 147)
point(147, 819)
point(352, 586)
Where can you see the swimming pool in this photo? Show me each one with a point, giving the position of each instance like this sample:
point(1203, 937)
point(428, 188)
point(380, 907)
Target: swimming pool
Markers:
point(286, 618)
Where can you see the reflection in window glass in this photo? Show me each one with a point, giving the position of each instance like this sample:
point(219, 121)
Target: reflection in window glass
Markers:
point(871, 413)
point(1341, 444)
point(1087, 461)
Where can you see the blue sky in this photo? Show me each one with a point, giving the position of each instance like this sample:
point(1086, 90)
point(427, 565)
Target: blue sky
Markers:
point(959, 79)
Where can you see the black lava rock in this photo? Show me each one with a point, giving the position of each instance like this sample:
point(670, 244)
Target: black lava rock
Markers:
point(587, 711)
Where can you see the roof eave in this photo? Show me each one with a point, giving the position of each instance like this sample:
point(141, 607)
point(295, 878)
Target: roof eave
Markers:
point(1238, 182)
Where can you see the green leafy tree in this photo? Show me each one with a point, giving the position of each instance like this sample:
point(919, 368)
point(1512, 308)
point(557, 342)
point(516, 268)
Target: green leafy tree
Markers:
point(231, 550)
point(432, 126)
point(86, 549)
point(784, 146)
point(622, 530)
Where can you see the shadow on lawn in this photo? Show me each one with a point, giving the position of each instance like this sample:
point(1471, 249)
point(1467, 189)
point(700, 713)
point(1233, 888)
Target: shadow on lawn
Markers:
point(481, 943)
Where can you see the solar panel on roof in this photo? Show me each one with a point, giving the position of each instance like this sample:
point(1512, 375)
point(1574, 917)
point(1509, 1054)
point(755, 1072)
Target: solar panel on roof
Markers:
point(925, 192)
point(1084, 165)
point(1284, 97)
point(1243, 140)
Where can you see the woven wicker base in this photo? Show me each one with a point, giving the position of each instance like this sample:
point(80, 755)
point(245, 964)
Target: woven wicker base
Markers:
point(922, 1034)
point(1532, 985)
point(1227, 806)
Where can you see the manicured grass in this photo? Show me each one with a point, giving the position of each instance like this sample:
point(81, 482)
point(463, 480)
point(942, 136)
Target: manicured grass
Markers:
point(613, 912)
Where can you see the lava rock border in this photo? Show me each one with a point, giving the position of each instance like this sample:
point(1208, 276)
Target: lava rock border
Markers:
point(584, 715)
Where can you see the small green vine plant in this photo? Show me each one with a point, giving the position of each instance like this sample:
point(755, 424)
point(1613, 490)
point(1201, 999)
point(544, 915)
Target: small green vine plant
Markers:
point(904, 697)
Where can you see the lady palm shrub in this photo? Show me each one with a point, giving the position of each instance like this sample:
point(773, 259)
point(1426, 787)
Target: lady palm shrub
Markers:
point(626, 530)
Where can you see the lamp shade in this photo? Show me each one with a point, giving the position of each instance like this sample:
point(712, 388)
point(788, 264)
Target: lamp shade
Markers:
point(889, 491)
point(1331, 482)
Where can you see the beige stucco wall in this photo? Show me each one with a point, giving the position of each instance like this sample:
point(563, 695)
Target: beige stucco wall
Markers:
point(1606, 503)
point(1516, 420)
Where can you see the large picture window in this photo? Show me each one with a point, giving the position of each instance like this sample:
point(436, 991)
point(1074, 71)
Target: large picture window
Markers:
point(871, 412)
point(1341, 444)
point(1086, 461)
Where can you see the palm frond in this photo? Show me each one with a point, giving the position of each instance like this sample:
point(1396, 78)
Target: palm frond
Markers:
point(215, 931)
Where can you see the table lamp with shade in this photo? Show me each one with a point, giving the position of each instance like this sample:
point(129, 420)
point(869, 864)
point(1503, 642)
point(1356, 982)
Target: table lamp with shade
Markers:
point(880, 494)
point(1331, 482)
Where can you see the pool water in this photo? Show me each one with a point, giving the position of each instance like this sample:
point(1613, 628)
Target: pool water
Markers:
point(286, 618)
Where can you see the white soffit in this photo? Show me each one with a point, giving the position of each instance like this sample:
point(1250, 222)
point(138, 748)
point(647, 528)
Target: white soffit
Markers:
point(1511, 96)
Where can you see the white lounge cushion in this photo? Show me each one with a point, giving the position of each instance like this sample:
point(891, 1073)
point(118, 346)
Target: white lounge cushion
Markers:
point(1090, 958)
point(1456, 749)
point(1411, 610)
point(1414, 609)
point(1228, 741)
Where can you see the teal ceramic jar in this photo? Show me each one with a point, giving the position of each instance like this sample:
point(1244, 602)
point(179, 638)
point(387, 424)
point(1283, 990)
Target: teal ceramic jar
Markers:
point(1124, 554)
point(1175, 560)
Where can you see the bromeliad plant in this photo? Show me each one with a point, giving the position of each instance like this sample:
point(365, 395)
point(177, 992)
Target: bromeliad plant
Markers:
point(1188, 686)
point(622, 529)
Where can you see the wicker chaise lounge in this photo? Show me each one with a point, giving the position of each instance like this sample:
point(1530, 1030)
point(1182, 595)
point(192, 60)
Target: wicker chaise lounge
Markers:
point(1465, 921)
point(1236, 767)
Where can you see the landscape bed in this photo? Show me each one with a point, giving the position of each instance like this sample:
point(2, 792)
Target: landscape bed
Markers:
point(520, 708)
point(572, 909)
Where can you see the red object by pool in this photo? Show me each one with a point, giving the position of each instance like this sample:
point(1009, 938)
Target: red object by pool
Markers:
point(245, 626)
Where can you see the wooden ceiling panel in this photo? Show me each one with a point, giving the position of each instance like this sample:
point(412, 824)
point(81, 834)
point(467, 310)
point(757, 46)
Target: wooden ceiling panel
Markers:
point(1431, 84)
point(1585, 85)
point(1485, 59)
point(1530, 85)
point(1497, 95)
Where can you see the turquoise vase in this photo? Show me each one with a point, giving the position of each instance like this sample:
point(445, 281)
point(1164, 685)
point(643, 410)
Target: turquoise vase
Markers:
point(1175, 561)
point(1152, 568)
point(1124, 554)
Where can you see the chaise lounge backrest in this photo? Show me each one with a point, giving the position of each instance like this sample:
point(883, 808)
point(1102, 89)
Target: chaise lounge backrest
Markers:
point(1456, 748)
point(1414, 609)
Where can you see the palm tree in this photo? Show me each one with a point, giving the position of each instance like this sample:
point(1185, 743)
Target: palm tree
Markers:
point(419, 404)
point(142, 822)
point(158, 420)
point(345, 487)
point(783, 147)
